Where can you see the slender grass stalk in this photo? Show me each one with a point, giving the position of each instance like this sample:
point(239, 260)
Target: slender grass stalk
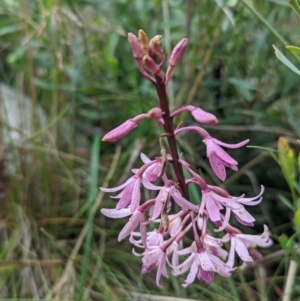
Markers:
point(232, 285)
point(91, 213)
point(290, 280)
point(267, 25)
point(244, 285)
point(294, 4)
point(54, 242)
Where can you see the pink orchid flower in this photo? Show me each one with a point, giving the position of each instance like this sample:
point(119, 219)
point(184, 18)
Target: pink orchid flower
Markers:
point(130, 195)
point(137, 218)
point(218, 158)
point(154, 256)
point(241, 242)
point(214, 199)
point(201, 264)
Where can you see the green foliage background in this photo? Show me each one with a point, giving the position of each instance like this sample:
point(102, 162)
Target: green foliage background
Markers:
point(72, 59)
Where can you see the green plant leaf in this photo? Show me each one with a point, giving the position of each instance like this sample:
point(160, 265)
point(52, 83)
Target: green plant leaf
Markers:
point(294, 49)
point(286, 202)
point(297, 218)
point(285, 60)
point(283, 240)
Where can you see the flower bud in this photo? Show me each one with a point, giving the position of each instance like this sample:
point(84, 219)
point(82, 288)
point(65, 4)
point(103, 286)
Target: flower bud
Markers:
point(151, 66)
point(202, 116)
point(155, 47)
point(175, 57)
point(178, 52)
point(144, 41)
point(120, 131)
point(155, 113)
point(135, 46)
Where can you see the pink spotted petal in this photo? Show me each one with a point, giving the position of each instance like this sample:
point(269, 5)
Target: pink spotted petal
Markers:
point(205, 262)
point(136, 195)
point(207, 276)
point(243, 216)
point(217, 167)
point(150, 258)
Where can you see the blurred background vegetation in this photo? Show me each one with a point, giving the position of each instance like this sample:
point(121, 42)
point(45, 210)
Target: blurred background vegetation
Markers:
point(67, 76)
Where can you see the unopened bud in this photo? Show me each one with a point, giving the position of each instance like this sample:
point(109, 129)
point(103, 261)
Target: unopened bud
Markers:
point(178, 52)
point(202, 116)
point(175, 57)
point(144, 41)
point(155, 113)
point(151, 66)
point(120, 131)
point(155, 47)
point(135, 46)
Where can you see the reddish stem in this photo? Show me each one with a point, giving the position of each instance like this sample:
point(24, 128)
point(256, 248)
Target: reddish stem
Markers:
point(169, 129)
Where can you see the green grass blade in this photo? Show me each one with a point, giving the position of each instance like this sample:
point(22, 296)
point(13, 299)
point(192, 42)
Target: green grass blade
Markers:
point(90, 219)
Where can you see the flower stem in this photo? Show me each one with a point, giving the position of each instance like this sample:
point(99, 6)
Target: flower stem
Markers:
point(169, 129)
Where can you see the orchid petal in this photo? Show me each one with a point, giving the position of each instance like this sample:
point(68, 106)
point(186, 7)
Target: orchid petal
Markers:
point(207, 276)
point(236, 145)
point(217, 167)
point(230, 260)
point(126, 197)
point(147, 184)
point(242, 251)
point(136, 195)
point(205, 262)
point(261, 240)
point(192, 274)
point(118, 187)
point(183, 203)
point(115, 213)
point(131, 225)
point(144, 158)
point(213, 211)
point(244, 216)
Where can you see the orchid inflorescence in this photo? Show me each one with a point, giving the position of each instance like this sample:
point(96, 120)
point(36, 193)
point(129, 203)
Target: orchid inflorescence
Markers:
point(163, 246)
